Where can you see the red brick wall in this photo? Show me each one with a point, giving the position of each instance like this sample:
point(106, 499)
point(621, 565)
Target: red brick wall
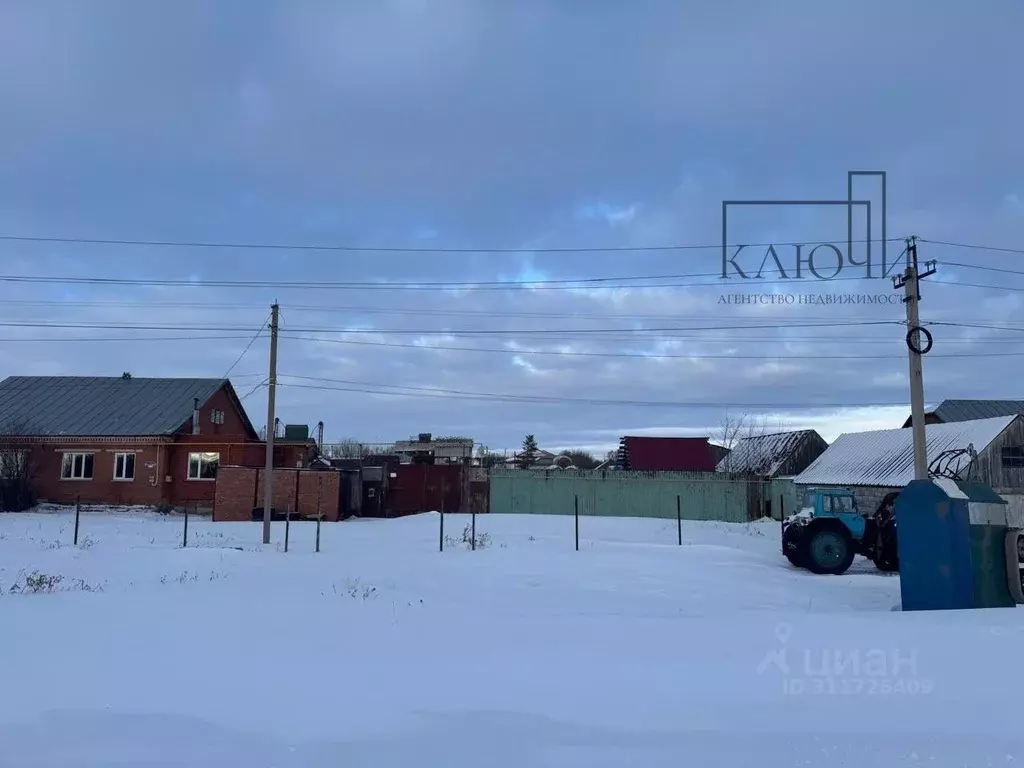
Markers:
point(146, 488)
point(233, 426)
point(235, 489)
point(329, 494)
point(239, 490)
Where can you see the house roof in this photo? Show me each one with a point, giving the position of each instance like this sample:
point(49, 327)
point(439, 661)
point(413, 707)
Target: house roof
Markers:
point(104, 406)
point(886, 457)
point(669, 454)
point(763, 454)
point(972, 410)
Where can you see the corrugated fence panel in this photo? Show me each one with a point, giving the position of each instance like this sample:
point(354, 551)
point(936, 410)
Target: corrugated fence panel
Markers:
point(784, 492)
point(702, 495)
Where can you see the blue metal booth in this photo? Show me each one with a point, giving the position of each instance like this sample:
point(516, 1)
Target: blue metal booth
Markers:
point(959, 547)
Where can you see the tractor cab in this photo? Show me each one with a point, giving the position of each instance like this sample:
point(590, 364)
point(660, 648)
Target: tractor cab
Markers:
point(835, 503)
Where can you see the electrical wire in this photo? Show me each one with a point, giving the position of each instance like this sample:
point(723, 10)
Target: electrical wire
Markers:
point(972, 246)
point(449, 394)
point(439, 332)
point(335, 308)
point(982, 267)
point(256, 387)
point(636, 355)
point(412, 249)
point(575, 284)
point(247, 347)
point(638, 335)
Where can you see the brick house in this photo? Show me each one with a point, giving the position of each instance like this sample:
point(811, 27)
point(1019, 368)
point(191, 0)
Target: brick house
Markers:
point(125, 440)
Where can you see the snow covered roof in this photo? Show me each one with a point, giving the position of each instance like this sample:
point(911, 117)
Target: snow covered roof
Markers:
point(763, 454)
point(886, 457)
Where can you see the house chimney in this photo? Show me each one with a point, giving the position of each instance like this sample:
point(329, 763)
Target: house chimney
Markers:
point(195, 415)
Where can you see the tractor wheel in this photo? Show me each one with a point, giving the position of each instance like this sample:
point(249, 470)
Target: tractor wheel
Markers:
point(794, 546)
point(829, 549)
point(888, 558)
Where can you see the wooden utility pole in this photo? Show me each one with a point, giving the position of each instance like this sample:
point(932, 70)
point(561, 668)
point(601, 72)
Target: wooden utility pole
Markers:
point(268, 472)
point(910, 282)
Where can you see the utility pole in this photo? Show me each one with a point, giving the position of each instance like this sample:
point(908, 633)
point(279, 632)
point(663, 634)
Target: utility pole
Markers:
point(910, 282)
point(268, 472)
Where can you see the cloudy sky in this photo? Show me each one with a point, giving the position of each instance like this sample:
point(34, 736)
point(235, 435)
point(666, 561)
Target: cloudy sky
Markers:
point(481, 144)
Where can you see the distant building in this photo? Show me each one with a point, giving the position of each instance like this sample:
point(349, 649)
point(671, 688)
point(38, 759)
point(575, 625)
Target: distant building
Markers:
point(541, 460)
point(426, 450)
point(776, 455)
point(666, 454)
point(949, 411)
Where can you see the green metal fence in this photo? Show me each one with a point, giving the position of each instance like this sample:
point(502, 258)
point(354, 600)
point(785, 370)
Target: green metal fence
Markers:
point(702, 495)
point(782, 497)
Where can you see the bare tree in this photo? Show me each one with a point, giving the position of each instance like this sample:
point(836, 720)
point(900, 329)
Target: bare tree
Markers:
point(350, 448)
point(18, 468)
point(488, 458)
point(735, 428)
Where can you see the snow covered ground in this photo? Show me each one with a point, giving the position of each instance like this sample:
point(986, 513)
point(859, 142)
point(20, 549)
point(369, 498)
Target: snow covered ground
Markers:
point(382, 651)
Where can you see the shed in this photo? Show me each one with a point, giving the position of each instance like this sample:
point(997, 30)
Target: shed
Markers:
point(771, 456)
point(878, 462)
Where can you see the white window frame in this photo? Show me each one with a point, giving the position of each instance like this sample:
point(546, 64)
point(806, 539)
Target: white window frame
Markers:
point(202, 457)
point(217, 416)
point(122, 456)
point(73, 455)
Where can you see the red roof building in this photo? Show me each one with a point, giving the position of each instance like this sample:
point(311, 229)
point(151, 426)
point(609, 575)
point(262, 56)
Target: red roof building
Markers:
point(667, 454)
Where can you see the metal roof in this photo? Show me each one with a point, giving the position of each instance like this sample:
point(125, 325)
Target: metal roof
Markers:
point(762, 454)
point(971, 410)
point(886, 457)
point(86, 406)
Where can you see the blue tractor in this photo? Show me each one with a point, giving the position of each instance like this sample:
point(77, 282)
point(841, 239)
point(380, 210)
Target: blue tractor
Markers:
point(829, 531)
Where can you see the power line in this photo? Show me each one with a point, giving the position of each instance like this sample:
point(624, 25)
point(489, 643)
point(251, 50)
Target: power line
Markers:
point(450, 394)
point(247, 347)
point(255, 388)
point(569, 339)
point(972, 246)
point(147, 339)
point(635, 355)
point(348, 309)
point(982, 267)
point(409, 249)
point(439, 332)
point(574, 284)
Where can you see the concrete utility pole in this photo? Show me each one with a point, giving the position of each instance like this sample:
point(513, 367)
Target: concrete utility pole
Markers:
point(910, 282)
point(268, 472)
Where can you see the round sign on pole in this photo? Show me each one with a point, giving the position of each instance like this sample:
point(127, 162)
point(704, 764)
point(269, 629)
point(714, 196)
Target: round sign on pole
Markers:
point(913, 340)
